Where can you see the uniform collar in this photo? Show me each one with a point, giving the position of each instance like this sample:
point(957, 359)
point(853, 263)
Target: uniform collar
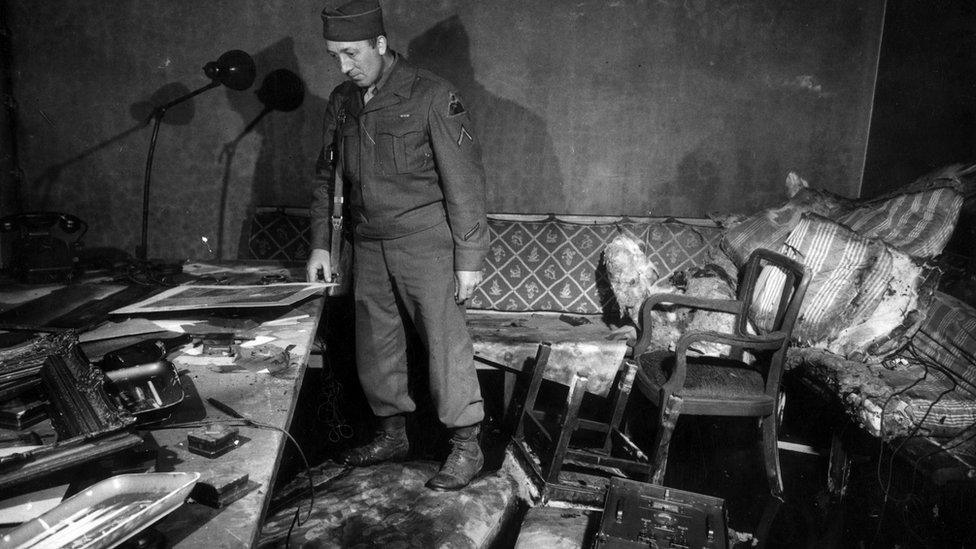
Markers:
point(386, 73)
point(396, 83)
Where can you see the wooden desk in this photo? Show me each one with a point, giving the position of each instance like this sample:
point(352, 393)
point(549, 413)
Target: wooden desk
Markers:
point(265, 398)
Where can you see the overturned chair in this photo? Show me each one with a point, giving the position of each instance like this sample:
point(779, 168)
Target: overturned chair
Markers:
point(543, 437)
point(677, 382)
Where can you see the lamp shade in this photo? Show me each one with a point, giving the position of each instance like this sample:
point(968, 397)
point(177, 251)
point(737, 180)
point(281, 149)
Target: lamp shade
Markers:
point(234, 69)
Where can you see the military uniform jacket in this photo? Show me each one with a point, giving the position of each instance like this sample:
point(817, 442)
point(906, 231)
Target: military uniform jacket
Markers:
point(411, 159)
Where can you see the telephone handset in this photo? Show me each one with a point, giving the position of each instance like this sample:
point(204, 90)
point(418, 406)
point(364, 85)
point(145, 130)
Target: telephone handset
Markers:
point(41, 223)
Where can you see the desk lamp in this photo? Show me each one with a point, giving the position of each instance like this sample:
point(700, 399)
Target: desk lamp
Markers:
point(234, 69)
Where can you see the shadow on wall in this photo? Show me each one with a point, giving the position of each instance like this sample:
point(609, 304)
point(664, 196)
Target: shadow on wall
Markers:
point(518, 153)
point(141, 111)
point(287, 119)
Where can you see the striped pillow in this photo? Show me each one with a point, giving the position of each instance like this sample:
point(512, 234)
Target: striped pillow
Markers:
point(918, 223)
point(863, 300)
point(769, 228)
point(948, 337)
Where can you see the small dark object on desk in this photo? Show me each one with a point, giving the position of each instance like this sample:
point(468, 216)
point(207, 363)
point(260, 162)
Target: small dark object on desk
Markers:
point(574, 320)
point(212, 441)
point(19, 414)
point(219, 344)
point(221, 490)
point(274, 279)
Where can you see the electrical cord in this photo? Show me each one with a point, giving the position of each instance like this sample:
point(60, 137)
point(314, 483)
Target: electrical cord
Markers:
point(247, 422)
point(885, 489)
point(337, 426)
point(955, 378)
point(881, 446)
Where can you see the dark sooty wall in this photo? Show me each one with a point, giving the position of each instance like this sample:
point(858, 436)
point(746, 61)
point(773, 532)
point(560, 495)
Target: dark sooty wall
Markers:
point(925, 102)
point(594, 107)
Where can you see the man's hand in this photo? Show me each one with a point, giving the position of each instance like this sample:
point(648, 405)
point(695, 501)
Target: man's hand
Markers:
point(319, 263)
point(464, 284)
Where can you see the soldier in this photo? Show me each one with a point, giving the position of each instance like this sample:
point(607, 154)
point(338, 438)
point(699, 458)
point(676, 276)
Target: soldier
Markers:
point(411, 166)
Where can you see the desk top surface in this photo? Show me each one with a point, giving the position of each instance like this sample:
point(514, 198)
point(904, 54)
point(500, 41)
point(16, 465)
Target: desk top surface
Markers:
point(251, 389)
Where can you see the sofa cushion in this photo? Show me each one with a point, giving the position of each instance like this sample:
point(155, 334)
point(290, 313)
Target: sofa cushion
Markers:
point(918, 223)
point(901, 397)
point(947, 337)
point(551, 264)
point(769, 228)
point(865, 298)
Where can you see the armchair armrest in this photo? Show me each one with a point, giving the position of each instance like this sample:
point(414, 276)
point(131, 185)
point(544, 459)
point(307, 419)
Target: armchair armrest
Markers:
point(731, 306)
point(770, 341)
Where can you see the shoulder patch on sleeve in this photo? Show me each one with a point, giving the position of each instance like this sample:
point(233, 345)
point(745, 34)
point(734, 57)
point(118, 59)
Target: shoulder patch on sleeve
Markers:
point(455, 107)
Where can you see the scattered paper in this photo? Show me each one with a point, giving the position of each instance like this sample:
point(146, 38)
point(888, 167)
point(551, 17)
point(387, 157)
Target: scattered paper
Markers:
point(259, 340)
point(202, 360)
point(175, 325)
point(284, 321)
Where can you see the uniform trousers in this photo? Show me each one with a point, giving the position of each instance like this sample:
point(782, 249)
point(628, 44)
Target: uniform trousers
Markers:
point(413, 276)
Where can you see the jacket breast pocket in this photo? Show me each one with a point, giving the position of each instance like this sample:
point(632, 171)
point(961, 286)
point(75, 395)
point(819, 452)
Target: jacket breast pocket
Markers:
point(403, 144)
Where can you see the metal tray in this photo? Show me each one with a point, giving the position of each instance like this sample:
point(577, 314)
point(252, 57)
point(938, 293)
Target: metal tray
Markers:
point(105, 514)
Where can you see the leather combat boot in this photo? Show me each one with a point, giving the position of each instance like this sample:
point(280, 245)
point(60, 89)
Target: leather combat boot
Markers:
point(464, 462)
point(389, 444)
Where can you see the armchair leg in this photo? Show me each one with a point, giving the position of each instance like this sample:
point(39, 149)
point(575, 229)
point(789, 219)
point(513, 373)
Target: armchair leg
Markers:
point(670, 410)
point(769, 433)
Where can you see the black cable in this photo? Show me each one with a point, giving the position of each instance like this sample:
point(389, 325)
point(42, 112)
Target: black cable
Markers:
point(918, 426)
point(944, 448)
point(881, 431)
point(290, 528)
point(881, 447)
point(914, 432)
point(247, 422)
point(913, 350)
point(337, 426)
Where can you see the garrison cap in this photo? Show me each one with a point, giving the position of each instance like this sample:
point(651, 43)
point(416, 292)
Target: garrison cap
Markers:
point(353, 21)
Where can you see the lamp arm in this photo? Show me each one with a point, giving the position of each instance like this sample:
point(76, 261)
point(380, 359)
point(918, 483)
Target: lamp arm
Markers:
point(159, 111)
point(157, 117)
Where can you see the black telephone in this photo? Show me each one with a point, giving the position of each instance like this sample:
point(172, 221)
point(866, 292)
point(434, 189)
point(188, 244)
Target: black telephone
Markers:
point(45, 245)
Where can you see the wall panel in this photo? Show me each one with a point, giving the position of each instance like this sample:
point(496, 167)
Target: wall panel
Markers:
point(589, 107)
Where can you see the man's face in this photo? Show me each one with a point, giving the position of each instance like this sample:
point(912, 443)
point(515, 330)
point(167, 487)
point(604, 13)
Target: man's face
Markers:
point(360, 61)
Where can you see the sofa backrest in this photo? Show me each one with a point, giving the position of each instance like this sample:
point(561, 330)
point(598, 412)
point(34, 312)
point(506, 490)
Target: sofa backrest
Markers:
point(553, 263)
point(535, 262)
point(278, 233)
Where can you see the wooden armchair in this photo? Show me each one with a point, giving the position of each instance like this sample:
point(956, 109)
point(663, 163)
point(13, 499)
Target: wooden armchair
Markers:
point(677, 382)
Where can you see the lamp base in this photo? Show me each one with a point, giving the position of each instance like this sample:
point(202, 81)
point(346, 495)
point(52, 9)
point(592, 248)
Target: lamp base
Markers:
point(154, 272)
